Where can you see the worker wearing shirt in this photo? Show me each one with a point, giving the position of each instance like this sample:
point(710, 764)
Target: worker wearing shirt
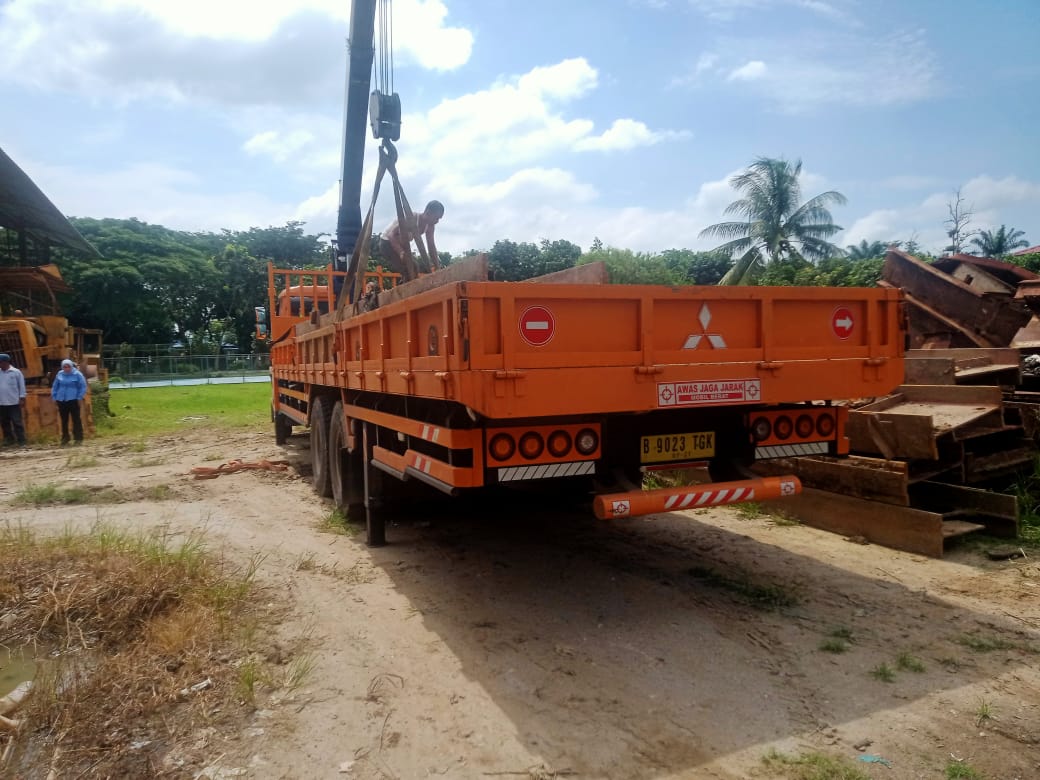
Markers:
point(12, 400)
point(69, 388)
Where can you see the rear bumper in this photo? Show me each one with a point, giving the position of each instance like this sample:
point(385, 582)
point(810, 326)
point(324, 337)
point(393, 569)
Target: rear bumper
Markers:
point(644, 502)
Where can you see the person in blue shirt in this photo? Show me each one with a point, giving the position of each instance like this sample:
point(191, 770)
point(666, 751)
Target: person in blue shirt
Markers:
point(69, 388)
point(12, 401)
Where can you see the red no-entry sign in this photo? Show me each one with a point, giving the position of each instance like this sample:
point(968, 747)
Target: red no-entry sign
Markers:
point(537, 326)
point(842, 322)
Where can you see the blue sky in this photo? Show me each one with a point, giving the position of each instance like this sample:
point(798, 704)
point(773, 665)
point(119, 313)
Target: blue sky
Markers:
point(557, 119)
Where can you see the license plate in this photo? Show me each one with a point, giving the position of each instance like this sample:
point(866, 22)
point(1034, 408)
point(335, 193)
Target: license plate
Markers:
point(676, 446)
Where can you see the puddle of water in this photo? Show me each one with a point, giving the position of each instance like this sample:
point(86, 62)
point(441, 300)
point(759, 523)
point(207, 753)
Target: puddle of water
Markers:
point(15, 667)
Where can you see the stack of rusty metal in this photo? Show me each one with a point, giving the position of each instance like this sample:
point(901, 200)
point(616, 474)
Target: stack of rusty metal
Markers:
point(932, 461)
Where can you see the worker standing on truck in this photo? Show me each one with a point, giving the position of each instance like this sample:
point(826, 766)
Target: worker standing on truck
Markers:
point(394, 248)
point(69, 388)
point(12, 401)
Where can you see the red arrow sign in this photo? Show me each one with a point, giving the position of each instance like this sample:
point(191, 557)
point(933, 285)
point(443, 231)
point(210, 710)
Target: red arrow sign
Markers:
point(842, 322)
point(537, 326)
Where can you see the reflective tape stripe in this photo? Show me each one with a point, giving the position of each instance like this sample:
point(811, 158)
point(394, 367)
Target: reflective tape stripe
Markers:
point(546, 471)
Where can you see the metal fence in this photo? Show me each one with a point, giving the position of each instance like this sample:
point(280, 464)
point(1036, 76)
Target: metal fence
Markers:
point(124, 372)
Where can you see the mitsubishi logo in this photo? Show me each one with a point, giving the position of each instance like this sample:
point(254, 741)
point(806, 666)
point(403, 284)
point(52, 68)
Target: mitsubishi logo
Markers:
point(694, 339)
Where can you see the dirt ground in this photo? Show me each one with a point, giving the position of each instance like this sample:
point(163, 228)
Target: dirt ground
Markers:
point(514, 639)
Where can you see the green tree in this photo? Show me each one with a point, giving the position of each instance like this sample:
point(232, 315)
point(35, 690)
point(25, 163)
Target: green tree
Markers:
point(696, 267)
point(628, 267)
point(509, 261)
point(775, 227)
point(866, 250)
point(556, 256)
point(1000, 242)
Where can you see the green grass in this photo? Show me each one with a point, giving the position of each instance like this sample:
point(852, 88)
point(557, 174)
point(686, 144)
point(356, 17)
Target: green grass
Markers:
point(148, 411)
point(50, 493)
point(884, 673)
point(834, 646)
point(909, 663)
point(812, 766)
point(985, 644)
point(957, 770)
point(771, 597)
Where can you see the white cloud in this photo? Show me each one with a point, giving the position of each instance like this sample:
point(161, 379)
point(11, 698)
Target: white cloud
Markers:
point(223, 52)
point(993, 202)
point(159, 194)
point(750, 71)
point(519, 121)
point(626, 134)
point(810, 70)
point(729, 10)
point(279, 146)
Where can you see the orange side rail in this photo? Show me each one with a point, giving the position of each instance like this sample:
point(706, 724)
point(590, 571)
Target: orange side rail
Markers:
point(645, 502)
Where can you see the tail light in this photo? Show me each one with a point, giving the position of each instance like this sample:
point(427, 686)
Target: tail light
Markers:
point(502, 446)
point(531, 445)
point(783, 427)
point(586, 441)
point(559, 443)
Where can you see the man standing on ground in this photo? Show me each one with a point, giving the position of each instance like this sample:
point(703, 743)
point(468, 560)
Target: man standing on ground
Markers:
point(69, 388)
point(12, 401)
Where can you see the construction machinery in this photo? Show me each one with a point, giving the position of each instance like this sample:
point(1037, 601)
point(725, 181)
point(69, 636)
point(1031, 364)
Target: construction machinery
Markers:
point(37, 336)
point(457, 384)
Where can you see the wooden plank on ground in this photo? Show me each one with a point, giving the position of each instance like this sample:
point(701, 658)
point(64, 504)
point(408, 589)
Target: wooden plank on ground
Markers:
point(900, 528)
point(875, 479)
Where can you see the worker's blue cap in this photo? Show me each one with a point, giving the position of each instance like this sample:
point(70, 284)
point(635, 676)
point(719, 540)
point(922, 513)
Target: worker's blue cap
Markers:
point(4, 357)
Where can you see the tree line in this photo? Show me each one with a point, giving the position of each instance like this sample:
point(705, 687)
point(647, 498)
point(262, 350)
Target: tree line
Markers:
point(154, 285)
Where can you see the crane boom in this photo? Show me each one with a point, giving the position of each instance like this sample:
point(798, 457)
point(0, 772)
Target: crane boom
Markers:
point(361, 51)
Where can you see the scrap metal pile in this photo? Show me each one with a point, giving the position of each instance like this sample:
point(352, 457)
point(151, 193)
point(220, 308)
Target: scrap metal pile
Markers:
point(930, 461)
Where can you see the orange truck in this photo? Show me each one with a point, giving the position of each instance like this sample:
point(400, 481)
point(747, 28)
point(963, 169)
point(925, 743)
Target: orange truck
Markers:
point(455, 383)
point(474, 384)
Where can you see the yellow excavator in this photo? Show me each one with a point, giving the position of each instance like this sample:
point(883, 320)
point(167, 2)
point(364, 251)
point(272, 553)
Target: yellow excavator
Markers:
point(38, 337)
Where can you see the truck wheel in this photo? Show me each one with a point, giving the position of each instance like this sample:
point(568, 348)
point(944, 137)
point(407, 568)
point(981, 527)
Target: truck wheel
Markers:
point(345, 467)
point(282, 428)
point(320, 447)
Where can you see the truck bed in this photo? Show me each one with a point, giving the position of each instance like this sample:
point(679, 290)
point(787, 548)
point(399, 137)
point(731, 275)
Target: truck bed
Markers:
point(516, 350)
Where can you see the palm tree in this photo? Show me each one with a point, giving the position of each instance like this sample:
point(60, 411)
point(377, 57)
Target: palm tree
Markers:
point(1000, 242)
point(776, 227)
point(868, 250)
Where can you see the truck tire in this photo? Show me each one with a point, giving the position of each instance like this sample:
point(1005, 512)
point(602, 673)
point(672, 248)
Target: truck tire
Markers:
point(282, 428)
point(320, 447)
point(345, 468)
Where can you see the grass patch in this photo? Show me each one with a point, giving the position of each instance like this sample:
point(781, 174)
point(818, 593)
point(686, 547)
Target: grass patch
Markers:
point(841, 632)
point(985, 644)
point(909, 663)
point(983, 713)
point(883, 672)
point(141, 462)
point(78, 461)
point(762, 596)
point(812, 766)
point(1027, 490)
point(749, 510)
point(781, 519)
point(958, 770)
point(139, 634)
point(335, 522)
point(148, 411)
point(50, 493)
point(834, 646)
